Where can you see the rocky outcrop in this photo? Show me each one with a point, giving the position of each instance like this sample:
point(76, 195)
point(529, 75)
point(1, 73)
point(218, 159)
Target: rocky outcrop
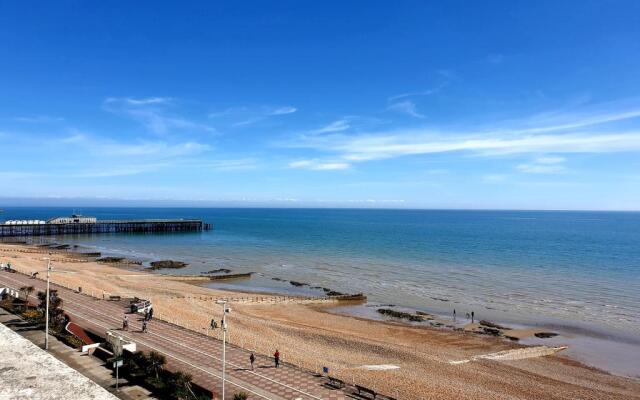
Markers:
point(166, 264)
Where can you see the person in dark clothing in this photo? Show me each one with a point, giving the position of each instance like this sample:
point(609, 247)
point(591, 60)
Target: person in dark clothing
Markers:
point(150, 313)
point(144, 326)
point(125, 323)
point(472, 316)
point(252, 359)
point(276, 358)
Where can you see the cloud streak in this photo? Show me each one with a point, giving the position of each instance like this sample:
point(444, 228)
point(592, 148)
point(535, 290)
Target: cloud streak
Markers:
point(318, 165)
point(568, 134)
point(153, 113)
point(406, 107)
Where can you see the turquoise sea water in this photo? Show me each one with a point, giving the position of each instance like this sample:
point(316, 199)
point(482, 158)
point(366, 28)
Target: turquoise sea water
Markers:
point(576, 269)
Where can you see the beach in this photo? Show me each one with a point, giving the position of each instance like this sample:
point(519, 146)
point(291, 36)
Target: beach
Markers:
point(431, 363)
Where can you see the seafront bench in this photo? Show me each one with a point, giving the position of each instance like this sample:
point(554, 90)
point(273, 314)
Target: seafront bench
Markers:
point(115, 298)
point(362, 389)
point(335, 382)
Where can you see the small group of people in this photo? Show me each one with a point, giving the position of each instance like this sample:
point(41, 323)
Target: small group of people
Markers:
point(147, 317)
point(471, 316)
point(276, 359)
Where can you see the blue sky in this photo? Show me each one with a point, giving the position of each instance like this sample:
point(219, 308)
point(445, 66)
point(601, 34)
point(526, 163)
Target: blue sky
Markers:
point(501, 104)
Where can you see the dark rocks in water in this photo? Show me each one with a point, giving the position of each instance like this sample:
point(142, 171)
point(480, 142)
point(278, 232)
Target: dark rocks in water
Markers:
point(399, 314)
point(545, 335)
point(110, 259)
point(92, 254)
point(315, 287)
point(334, 293)
point(116, 260)
point(492, 331)
point(440, 299)
point(61, 247)
point(491, 324)
point(230, 276)
point(278, 279)
point(512, 338)
point(424, 315)
point(295, 283)
point(167, 264)
point(217, 271)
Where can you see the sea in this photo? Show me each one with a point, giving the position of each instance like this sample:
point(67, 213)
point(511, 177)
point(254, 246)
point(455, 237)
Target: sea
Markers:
point(575, 272)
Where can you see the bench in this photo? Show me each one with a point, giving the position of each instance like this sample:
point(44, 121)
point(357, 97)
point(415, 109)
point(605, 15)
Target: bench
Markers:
point(335, 382)
point(362, 389)
point(115, 298)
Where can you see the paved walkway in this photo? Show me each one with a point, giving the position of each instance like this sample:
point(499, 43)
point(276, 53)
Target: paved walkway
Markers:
point(188, 351)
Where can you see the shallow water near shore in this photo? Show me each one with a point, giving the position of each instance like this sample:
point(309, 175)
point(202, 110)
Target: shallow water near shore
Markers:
point(571, 269)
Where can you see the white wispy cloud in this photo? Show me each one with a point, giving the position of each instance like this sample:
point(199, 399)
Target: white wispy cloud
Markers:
point(336, 126)
point(318, 165)
point(243, 116)
point(153, 113)
point(110, 148)
point(544, 165)
point(426, 92)
point(572, 133)
point(406, 107)
point(282, 110)
point(38, 119)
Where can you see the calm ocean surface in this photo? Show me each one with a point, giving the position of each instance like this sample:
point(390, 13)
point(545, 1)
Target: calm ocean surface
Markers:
point(575, 269)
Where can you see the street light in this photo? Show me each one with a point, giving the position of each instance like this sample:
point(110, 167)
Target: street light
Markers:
point(225, 311)
point(48, 295)
point(46, 324)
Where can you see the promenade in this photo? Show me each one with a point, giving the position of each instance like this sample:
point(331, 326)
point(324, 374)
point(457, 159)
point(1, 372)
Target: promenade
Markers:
point(188, 351)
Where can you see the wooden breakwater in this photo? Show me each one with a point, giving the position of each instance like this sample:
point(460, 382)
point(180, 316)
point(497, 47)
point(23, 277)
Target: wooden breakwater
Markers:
point(200, 278)
point(128, 226)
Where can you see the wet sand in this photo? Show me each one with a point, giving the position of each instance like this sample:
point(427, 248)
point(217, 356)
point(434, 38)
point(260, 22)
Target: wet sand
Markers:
point(310, 336)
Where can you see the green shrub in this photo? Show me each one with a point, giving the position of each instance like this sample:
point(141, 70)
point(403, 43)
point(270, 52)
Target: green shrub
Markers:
point(240, 396)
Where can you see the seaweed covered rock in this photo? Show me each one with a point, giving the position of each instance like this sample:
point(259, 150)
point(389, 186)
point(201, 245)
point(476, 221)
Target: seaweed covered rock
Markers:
point(167, 264)
point(401, 315)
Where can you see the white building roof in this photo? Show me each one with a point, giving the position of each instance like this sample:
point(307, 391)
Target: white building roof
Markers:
point(28, 372)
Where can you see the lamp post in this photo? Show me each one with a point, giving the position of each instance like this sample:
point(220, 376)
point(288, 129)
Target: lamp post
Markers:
point(225, 310)
point(46, 323)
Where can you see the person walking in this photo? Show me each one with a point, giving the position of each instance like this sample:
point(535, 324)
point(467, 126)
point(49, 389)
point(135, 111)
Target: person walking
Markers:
point(276, 358)
point(150, 313)
point(472, 316)
point(252, 359)
point(144, 326)
point(454, 315)
point(125, 323)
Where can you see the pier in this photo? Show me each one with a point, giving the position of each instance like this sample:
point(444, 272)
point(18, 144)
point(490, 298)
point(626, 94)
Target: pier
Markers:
point(37, 228)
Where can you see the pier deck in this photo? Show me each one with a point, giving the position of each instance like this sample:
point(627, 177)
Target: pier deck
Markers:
point(107, 226)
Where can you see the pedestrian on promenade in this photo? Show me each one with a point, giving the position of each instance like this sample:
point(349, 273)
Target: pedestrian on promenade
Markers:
point(150, 313)
point(146, 315)
point(276, 358)
point(252, 359)
point(125, 323)
point(454, 315)
point(144, 326)
point(472, 316)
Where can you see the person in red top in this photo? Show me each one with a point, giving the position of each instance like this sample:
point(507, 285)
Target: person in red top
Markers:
point(276, 357)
